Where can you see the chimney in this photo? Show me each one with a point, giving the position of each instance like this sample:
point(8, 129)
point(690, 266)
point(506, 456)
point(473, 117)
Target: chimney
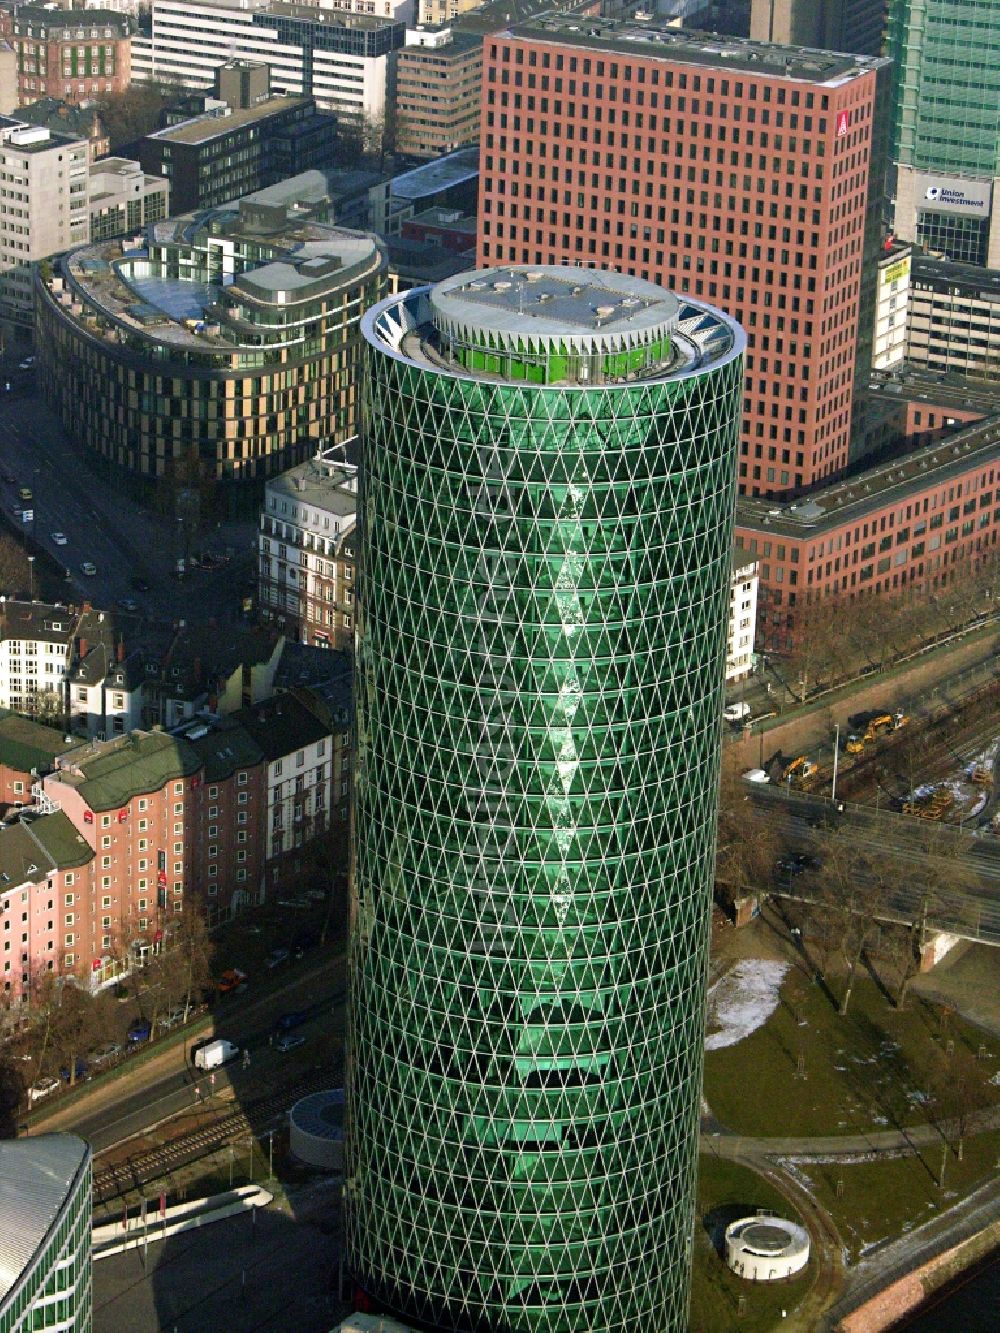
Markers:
point(82, 648)
point(197, 670)
point(86, 608)
point(121, 650)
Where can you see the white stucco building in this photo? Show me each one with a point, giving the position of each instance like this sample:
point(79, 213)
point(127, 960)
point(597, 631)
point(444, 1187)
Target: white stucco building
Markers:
point(742, 615)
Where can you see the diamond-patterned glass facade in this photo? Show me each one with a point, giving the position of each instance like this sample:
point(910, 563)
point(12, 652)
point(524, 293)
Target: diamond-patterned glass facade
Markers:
point(542, 609)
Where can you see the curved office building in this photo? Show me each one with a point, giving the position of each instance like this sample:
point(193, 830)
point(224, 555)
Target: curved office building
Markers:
point(46, 1213)
point(221, 350)
point(546, 525)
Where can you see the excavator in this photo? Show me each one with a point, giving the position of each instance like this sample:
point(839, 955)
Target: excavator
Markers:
point(798, 769)
point(883, 723)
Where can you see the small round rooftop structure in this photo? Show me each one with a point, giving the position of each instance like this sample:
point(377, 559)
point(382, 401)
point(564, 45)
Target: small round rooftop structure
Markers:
point(765, 1248)
point(316, 1129)
point(552, 325)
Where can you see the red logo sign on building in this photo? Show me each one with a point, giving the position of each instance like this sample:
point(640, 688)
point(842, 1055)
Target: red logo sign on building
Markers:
point(843, 124)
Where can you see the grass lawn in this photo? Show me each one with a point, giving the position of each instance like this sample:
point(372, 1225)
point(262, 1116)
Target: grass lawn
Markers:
point(727, 1191)
point(875, 1068)
point(880, 1200)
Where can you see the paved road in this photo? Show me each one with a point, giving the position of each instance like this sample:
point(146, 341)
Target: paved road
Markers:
point(973, 912)
point(134, 1098)
point(105, 527)
point(872, 1275)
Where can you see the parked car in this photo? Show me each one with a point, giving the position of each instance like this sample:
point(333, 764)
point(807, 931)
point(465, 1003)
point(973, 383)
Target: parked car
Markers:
point(288, 1043)
point(795, 863)
point(172, 1019)
point(105, 1054)
point(60, 538)
point(128, 603)
point(81, 1071)
point(231, 980)
point(25, 493)
point(27, 363)
point(139, 1030)
point(275, 958)
point(89, 568)
point(43, 1088)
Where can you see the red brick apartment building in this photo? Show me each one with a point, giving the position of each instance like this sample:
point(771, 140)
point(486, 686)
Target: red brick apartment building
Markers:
point(919, 521)
point(735, 171)
point(70, 54)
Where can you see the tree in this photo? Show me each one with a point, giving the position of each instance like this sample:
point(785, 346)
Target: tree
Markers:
point(189, 949)
point(850, 892)
point(136, 111)
point(11, 1097)
point(14, 576)
point(76, 1028)
point(747, 844)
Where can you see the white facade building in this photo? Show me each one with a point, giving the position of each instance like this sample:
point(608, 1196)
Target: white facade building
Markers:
point(306, 545)
point(36, 652)
point(343, 59)
point(44, 206)
point(742, 616)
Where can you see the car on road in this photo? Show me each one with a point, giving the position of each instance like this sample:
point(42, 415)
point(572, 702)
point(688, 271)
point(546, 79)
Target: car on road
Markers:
point(294, 1019)
point(128, 603)
point(60, 538)
point(231, 980)
point(89, 568)
point(27, 363)
point(275, 958)
point(43, 1088)
point(106, 1053)
point(289, 1042)
point(171, 1020)
point(140, 1030)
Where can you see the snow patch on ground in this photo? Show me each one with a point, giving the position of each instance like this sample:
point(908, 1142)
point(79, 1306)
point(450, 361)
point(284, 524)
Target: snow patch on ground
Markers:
point(743, 1001)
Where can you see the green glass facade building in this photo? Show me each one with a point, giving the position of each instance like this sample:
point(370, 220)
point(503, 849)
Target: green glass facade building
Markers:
point(546, 515)
point(946, 125)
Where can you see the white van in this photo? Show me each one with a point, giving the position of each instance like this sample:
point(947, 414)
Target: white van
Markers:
point(736, 712)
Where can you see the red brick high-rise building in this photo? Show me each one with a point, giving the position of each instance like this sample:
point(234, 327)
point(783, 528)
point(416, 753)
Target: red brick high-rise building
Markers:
point(735, 171)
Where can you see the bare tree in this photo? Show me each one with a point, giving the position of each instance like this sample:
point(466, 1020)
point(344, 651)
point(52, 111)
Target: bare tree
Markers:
point(14, 576)
point(747, 845)
point(850, 891)
point(76, 1027)
point(11, 1097)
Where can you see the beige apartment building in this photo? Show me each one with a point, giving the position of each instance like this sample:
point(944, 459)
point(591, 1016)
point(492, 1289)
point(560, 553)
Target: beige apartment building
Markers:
point(306, 548)
point(439, 80)
point(43, 206)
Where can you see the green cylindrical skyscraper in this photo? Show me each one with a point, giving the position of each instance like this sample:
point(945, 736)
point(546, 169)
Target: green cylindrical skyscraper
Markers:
point(546, 510)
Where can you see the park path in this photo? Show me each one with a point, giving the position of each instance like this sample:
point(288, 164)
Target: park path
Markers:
point(837, 1289)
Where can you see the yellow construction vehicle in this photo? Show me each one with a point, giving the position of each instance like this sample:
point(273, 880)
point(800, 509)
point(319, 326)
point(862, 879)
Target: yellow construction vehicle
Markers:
point(855, 743)
point(982, 777)
point(883, 723)
point(799, 768)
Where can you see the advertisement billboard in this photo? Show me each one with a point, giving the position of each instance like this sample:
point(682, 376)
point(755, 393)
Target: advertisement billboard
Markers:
point(953, 194)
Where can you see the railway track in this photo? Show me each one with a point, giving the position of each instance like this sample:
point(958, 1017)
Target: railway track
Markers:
point(921, 751)
point(113, 1182)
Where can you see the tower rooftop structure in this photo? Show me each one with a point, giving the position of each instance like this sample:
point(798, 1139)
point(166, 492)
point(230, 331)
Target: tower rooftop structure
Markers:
point(548, 324)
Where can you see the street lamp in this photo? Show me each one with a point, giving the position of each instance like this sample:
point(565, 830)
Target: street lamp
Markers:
point(31, 578)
